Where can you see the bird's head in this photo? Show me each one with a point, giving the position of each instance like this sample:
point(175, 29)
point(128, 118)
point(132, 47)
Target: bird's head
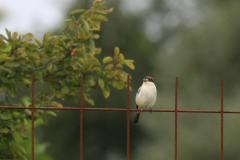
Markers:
point(148, 79)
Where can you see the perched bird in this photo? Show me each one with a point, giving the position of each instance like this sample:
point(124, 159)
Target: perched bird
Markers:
point(146, 96)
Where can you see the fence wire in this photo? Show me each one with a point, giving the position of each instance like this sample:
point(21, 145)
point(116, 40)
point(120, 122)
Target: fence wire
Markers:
point(127, 110)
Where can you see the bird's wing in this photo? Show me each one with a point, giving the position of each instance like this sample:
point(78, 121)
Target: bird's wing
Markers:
point(139, 90)
point(137, 94)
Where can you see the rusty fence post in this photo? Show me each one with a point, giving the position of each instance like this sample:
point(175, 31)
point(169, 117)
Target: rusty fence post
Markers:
point(176, 118)
point(81, 119)
point(222, 119)
point(128, 119)
point(32, 116)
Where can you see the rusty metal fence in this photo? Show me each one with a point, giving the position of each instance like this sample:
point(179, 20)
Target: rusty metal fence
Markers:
point(127, 110)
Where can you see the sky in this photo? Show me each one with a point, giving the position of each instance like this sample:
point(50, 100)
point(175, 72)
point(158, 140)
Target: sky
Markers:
point(41, 16)
point(36, 17)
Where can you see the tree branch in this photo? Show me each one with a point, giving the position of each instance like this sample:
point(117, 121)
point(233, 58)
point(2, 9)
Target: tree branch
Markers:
point(47, 64)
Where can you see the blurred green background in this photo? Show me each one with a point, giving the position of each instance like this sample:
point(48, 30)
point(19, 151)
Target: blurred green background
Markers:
point(196, 40)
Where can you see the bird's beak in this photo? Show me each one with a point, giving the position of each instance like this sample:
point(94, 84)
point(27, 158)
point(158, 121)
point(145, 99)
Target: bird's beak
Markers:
point(144, 80)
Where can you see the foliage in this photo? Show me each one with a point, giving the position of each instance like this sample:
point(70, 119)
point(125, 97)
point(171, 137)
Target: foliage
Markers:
point(60, 61)
point(39, 148)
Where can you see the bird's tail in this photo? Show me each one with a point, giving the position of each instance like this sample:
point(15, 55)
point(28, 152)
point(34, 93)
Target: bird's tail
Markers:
point(136, 117)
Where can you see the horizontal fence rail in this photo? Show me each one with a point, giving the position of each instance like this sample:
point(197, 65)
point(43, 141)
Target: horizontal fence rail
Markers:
point(118, 109)
point(127, 110)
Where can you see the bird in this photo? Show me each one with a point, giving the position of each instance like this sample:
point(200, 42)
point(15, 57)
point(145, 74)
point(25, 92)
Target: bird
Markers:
point(146, 96)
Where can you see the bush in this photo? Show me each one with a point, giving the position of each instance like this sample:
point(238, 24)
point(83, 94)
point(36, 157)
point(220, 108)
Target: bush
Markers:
point(59, 61)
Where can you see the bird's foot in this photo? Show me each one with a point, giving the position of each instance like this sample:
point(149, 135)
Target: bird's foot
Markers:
point(141, 109)
point(151, 109)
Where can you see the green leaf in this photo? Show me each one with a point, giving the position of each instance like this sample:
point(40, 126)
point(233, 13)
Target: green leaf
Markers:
point(6, 50)
point(88, 99)
point(3, 37)
point(6, 116)
point(69, 44)
point(60, 95)
point(95, 36)
point(55, 53)
point(23, 53)
point(46, 37)
point(4, 58)
point(11, 88)
point(98, 17)
point(19, 126)
point(65, 28)
point(11, 64)
point(96, 25)
point(129, 63)
point(81, 60)
point(51, 113)
point(65, 89)
point(101, 82)
point(98, 3)
point(119, 66)
point(98, 50)
point(86, 26)
point(81, 32)
point(71, 25)
point(26, 101)
point(105, 11)
point(77, 11)
point(38, 42)
point(23, 135)
point(107, 59)
point(14, 35)
point(26, 82)
point(49, 67)
point(6, 69)
point(4, 130)
point(89, 81)
point(106, 91)
point(8, 33)
point(98, 70)
point(78, 49)
point(121, 57)
point(109, 66)
point(94, 60)
point(68, 20)
point(117, 85)
point(19, 148)
point(92, 46)
point(27, 37)
point(92, 82)
point(48, 48)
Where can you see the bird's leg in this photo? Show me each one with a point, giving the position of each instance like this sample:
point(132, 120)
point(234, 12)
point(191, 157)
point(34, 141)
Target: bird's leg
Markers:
point(151, 109)
point(141, 109)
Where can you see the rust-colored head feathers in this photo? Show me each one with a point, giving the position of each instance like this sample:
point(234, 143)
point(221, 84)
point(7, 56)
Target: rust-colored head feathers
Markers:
point(148, 79)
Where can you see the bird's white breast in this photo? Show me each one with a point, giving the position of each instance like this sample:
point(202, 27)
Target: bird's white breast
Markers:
point(146, 98)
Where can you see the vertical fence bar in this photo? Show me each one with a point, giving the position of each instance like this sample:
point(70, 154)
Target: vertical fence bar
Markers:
point(222, 119)
point(128, 119)
point(176, 121)
point(81, 119)
point(32, 116)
